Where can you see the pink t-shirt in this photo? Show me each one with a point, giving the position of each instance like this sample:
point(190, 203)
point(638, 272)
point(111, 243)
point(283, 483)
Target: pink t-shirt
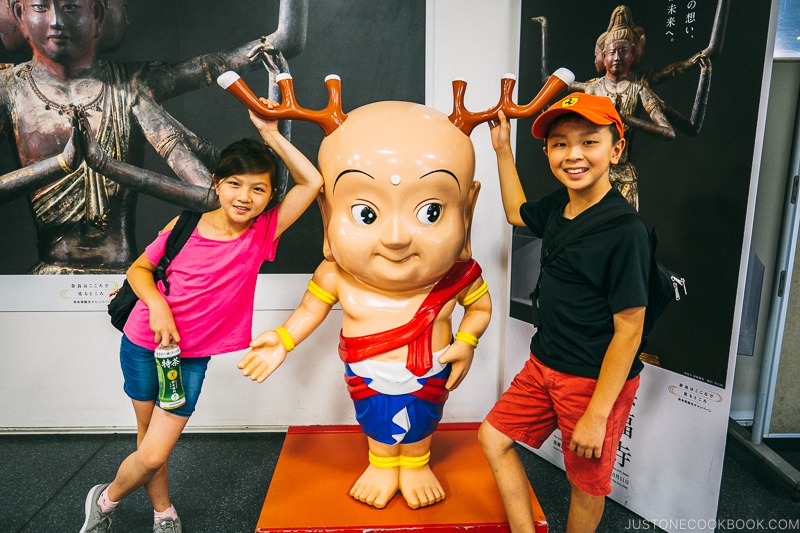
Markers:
point(212, 285)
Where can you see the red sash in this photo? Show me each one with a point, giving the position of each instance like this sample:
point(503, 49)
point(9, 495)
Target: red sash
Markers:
point(418, 331)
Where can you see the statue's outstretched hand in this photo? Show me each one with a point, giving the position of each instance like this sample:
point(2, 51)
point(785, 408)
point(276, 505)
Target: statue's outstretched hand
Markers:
point(265, 356)
point(459, 355)
point(269, 55)
point(263, 47)
point(700, 58)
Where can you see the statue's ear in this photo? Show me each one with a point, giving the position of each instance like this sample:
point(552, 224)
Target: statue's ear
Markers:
point(99, 12)
point(10, 31)
point(326, 217)
point(16, 11)
point(466, 253)
point(640, 42)
point(599, 48)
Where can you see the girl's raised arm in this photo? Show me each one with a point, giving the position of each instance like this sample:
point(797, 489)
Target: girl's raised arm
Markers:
point(307, 179)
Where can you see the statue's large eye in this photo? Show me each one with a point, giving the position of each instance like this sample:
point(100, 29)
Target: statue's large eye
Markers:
point(429, 213)
point(363, 214)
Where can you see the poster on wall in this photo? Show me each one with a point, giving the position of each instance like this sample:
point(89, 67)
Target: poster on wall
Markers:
point(689, 164)
point(695, 83)
point(390, 68)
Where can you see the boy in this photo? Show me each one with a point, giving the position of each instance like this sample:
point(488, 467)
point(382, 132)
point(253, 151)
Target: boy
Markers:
point(582, 374)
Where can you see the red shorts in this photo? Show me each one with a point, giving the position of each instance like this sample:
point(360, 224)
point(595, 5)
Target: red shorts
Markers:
point(541, 399)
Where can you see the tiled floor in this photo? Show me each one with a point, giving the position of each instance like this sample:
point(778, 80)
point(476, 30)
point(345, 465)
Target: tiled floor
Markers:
point(219, 481)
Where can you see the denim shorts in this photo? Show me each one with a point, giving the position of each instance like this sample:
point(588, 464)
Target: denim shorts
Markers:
point(141, 376)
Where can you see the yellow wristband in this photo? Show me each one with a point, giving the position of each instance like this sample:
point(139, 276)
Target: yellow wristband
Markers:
point(474, 296)
point(469, 338)
point(384, 462)
point(63, 164)
point(414, 462)
point(320, 293)
point(286, 339)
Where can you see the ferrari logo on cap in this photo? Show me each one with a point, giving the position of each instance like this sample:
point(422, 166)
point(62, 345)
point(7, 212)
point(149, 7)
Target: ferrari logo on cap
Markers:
point(569, 102)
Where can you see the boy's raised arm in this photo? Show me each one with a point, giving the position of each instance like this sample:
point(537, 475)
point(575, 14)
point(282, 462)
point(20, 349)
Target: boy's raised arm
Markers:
point(510, 187)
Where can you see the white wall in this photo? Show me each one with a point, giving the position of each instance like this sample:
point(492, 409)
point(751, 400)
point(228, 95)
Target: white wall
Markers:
point(59, 371)
point(773, 173)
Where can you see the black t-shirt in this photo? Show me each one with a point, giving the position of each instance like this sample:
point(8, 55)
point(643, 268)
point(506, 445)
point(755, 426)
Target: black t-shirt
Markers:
point(597, 275)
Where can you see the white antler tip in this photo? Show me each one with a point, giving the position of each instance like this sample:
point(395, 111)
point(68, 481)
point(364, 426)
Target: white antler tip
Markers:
point(226, 79)
point(283, 76)
point(565, 75)
point(332, 77)
point(510, 76)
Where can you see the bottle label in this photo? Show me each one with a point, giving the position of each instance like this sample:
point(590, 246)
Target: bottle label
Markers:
point(168, 363)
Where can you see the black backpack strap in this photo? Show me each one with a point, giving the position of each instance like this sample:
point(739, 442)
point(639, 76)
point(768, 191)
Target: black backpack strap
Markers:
point(177, 238)
point(591, 219)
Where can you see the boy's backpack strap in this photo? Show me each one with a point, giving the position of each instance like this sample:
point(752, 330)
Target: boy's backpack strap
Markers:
point(591, 219)
point(177, 238)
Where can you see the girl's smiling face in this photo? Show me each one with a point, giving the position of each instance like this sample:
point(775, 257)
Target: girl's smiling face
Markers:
point(243, 197)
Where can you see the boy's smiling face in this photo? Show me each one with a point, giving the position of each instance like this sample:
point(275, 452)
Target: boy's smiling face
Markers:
point(398, 195)
point(581, 152)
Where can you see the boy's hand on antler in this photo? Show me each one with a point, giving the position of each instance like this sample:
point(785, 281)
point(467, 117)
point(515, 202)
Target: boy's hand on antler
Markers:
point(501, 132)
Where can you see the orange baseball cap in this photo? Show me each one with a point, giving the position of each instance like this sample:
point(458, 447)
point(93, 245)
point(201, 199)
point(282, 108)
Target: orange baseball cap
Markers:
point(596, 109)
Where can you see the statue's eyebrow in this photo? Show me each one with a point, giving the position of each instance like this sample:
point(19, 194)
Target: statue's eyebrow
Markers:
point(458, 184)
point(352, 170)
point(348, 171)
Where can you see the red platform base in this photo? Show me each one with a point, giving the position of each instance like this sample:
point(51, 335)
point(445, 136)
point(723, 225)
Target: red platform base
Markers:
point(318, 465)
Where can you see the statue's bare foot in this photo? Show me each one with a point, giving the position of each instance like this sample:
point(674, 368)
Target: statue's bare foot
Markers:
point(420, 487)
point(376, 486)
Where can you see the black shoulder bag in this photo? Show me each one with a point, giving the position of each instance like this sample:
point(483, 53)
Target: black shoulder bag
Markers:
point(664, 284)
point(121, 305)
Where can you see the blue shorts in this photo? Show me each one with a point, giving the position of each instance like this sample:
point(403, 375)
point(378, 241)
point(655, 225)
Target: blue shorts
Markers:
point(141, 376)
point(376, 414)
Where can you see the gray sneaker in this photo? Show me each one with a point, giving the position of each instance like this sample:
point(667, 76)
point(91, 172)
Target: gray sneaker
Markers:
point(96, 520)
point(168, 525)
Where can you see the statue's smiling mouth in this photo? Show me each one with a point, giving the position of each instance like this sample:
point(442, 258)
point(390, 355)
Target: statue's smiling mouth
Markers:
point(398, 260)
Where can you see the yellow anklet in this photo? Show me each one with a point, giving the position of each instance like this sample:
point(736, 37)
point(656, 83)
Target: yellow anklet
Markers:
point(414, 462)
point(384, 462)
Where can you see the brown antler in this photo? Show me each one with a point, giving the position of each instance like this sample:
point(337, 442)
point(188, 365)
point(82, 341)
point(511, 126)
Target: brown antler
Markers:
point(329, 118)
point(466, 120)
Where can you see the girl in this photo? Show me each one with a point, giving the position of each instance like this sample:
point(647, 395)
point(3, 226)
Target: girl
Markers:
point(201, 313)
